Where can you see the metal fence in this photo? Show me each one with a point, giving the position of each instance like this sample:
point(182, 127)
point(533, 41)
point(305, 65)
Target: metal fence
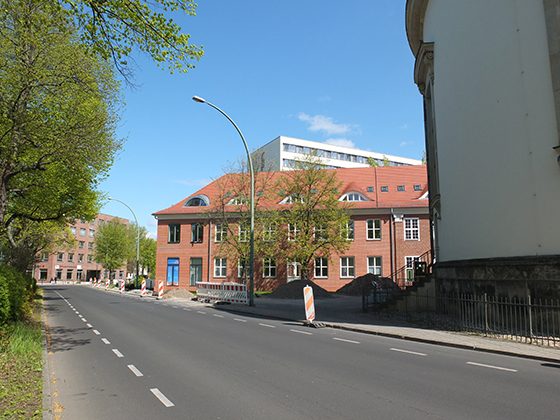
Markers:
point(521, 320)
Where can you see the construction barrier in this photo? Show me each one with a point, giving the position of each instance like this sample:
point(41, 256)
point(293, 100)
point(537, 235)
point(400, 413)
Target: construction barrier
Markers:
point(98, 283)
point(160, 292)
point(309, 304)
point(122, 287)
point(222, 292)
point(143, 288)
point(107, 285)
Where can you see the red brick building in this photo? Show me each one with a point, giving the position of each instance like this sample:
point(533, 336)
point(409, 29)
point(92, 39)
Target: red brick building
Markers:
point(391, 228)
point(77, 264)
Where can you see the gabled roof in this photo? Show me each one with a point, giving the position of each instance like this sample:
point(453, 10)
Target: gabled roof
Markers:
point(367, 181)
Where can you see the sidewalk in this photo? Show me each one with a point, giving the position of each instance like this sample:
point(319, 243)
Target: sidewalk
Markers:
point(345, 312)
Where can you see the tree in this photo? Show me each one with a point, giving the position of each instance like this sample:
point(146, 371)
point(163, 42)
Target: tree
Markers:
point(111, 29)
point(58, 116)
point(375, 163)
point(112, 245)
point(147, 257)
point(314, 223)
point(148, 248)
point(231, 214)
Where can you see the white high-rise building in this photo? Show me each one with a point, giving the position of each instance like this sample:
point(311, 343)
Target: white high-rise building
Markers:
point(280, 153)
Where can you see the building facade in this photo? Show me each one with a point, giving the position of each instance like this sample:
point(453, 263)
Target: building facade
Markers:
point(390, 221)
point(280, 153)
point(77, 264)
point(489, 72)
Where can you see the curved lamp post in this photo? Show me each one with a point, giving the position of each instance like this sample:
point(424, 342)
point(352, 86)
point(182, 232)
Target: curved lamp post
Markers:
point(137, 238)
point(252, 231)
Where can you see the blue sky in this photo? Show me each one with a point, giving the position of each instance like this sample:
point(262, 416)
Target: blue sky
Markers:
point(321, 70)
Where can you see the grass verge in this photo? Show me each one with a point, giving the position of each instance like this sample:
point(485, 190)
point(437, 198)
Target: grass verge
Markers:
point(21, 367)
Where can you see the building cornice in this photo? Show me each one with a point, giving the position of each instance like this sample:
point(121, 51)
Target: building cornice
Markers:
point(414, 20)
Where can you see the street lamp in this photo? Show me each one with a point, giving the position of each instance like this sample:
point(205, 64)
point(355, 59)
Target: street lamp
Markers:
point(252, 231)
point(137, 238)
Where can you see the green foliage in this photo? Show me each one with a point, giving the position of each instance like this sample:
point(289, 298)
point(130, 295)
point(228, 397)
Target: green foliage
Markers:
point(16, 291)
point(58, 118)
point(113, 244)
point(112, 29)
point(314, 221)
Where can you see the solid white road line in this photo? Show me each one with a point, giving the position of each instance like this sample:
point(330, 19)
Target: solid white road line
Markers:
point(96, 332)
point(162, 397)
point(105, 341)
point(491, 367)
point(302, 332)
point(118, 353)
point(409, 352)
point(346, 341)
point(267, 325)
point(135, 370)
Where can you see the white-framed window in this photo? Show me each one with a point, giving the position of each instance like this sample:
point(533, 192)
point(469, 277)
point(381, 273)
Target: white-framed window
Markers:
point(82, 232)
point(269, 232)
point(69, 274)
point(73, 230)
point(348, 230)
point(346, 266)
point(354, 196)
point(292, 232)
point(81, 244)
point(241, 265)
point(174, 235)
point(90, 258)
point(90, 245)
point(91, 233)
point(373, 227)
point(80, 258)
point(220, 267)
point(44, 256)
point(411, 229)
point(60, 256)
point(70, 257)
point(221, 232)
point(197, 232)
point(269, 268)
point(321, 233)
point(374, 266)
point(409, 267)
point(244, 231)
point(321, 267)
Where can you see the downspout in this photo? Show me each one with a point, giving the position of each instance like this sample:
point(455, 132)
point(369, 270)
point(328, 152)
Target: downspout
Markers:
point(391, 238)
point(209, 249)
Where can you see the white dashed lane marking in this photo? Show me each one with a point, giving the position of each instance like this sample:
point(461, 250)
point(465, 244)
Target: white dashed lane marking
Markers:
point(408, 352)
point(164, 400)
point(491, 367)
point(135, 370)
point(118, 353)
point(346, 341)
point(105, 341)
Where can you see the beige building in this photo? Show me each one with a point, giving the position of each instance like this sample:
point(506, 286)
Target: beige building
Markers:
point(77, 264)
point(489, 72)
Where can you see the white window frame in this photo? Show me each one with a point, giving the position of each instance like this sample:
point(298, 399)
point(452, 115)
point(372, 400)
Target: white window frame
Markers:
point(221, 232)
point(411, 227)
point(409, 266)
point(347, 267)
point(373, 229)
point(269, 265)
point(269, 232)
point(348, 230)
point(321, 233)
point(322, 266)
point(220, 267)
point(240, 263)
point(292, 232)
point(244, 231)
point(375, 265)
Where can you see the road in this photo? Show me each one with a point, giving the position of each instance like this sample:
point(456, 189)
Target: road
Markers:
point(115, 356)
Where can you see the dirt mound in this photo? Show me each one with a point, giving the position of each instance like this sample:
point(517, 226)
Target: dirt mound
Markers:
point(178, 294)
point(357, 286)
point(294, 290)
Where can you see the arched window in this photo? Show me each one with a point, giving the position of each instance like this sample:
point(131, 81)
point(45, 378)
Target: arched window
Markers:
point(353, 196)
point(198, 201)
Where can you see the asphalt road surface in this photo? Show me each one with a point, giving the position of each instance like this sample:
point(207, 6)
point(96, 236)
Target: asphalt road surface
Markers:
point(123, 357)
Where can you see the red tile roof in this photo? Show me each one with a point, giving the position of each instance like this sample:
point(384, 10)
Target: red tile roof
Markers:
point(354, 180)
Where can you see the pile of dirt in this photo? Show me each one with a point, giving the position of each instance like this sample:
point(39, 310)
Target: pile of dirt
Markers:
point(294, 290)
point(178, 294)
point(366, 282)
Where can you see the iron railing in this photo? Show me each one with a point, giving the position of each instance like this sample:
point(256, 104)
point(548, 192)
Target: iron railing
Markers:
point(522, 320)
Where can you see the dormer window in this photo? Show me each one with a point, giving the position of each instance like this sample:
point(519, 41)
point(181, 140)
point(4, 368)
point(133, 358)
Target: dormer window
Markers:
point(293, 198)
point(418, 188)
point(354, 196)
point(197, 201)
point(400, 188)
point(238, 200)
